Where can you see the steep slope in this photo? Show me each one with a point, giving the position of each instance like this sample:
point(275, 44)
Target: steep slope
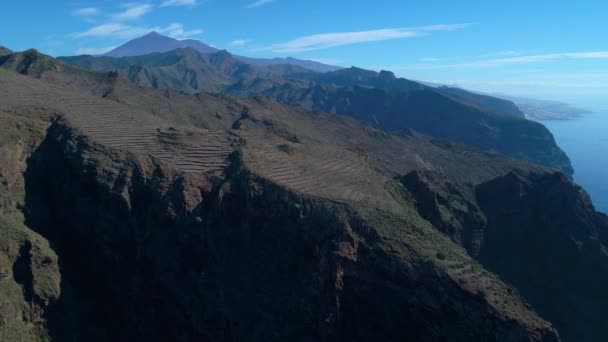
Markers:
point(550, 223)
point(380, 99)
point(185, 70)
point(393, 104)
point(490, 103)
point(212, 218)
point(306, 64)
point(5, 51)
point(147, 240)
point(154, 42)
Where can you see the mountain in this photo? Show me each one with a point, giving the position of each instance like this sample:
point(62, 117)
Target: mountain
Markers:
point(186, 70)
point(133, 213)
point(306, 64)
point(154, 42)
point(4, 51)
point(482, 101)
point(380, 99)
point(539, 110)
point(532, 109)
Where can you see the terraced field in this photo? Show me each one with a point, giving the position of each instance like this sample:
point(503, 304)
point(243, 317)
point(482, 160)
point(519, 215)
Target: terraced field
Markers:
point(468, 272)
point(339, 174)
point(118, 126)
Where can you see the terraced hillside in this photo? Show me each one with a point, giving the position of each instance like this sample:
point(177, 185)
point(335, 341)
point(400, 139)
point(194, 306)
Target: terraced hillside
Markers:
point(116, 125)
point(380, 99)
point(208, 217)
point(96, 155)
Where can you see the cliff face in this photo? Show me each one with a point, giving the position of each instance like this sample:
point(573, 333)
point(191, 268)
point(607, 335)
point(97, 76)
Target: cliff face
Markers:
point(531, 229)
point(251, 220)
point(159, 255)
point(548, 219)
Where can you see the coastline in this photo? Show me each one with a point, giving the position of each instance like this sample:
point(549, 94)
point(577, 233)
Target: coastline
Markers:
point(583, 138)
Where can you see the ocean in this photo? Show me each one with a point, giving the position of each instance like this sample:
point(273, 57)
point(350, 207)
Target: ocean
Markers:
point(585, 140)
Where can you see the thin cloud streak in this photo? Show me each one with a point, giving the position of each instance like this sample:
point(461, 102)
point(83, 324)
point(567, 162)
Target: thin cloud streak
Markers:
point(259, 3)
point(123, 31)
point(178, 3)
point(239, 42)
point(499, 62)
point(132, 12)
point(86, 12)
point(328, 40)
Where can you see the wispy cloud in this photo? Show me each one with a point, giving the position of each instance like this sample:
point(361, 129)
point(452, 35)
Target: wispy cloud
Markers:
point(544, 58)
point(178, 3)
point(94, 51)
point(511, 53)
point(500, 62)
point(430, 59)
point(259, 3)
point(123, 31)
point(327, 40)
point(132, 11)
point(86, 12)
point(176, 30)
point(239, 42)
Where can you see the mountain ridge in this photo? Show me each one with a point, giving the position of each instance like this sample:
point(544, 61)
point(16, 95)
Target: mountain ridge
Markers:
point(154, 42)
point(380, 99)
point(241, 212)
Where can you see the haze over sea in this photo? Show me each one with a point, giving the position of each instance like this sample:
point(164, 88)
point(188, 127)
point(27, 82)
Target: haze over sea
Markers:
point(585, 140)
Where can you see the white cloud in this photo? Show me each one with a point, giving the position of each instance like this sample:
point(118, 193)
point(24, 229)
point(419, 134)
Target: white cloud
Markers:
point(178, 3)
point(536, 59)
point(132, 11)
point(86, 12)
point(94, 51)
point(259, 3)
point(505, 53)
point(239, 42)
point(327, 40)
point(499, 62)
point(176, 30)
point(123, 31)
point(430, 59)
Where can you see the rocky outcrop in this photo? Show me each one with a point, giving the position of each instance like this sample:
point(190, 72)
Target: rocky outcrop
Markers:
point(450, 207)
point(545, 237)
point(156, 254)
point(268, 223)
point(5, 51)
point(538, 231)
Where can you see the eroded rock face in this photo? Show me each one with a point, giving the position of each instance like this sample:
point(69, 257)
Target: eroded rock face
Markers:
point(545, 237)
point(450, 207)
point(538, 231)
point(162, 255)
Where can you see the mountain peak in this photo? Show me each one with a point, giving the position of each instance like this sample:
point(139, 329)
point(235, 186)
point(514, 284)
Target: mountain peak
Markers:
point(154, 34)
point(30, 62)
point(5, 51)
point(155, 42)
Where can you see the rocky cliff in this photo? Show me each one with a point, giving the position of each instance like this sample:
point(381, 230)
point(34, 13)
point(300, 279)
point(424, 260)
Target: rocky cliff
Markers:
point(153, 254)
point(134, 214)
point(531, 229)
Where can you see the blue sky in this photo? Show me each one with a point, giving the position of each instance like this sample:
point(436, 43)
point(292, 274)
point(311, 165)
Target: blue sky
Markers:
point(549, 49)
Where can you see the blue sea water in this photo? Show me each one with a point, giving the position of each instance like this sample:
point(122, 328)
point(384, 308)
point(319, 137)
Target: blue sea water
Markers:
point(585, 140)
